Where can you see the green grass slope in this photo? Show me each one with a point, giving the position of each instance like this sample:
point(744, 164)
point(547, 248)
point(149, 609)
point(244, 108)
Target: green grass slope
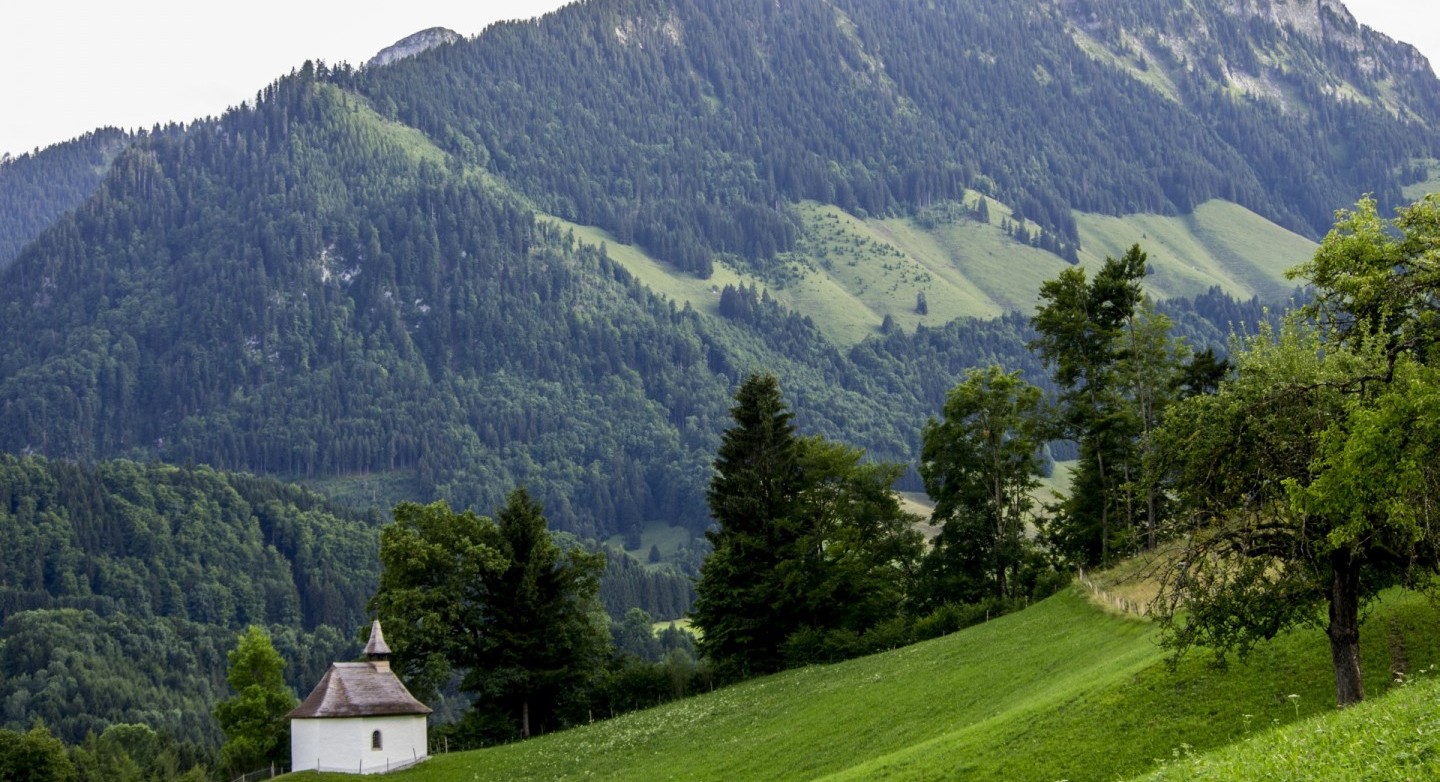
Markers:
point(1060, 691)
point(1396, 737)
point(849, 273)
point(1220, 243)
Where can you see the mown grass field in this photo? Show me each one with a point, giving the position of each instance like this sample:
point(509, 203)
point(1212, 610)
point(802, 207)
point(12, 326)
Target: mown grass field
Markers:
point(1063, 690)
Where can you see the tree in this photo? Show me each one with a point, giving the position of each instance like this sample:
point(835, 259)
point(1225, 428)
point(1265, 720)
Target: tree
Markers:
point(854, 559)
point(500, 603)
point(812, 549)
point(256, 732)
point(432, 594)
point(545, 639)
point(1311, 476)
point(979, 465)
point(752, 498)
point(1118, 369)
point(35, 756)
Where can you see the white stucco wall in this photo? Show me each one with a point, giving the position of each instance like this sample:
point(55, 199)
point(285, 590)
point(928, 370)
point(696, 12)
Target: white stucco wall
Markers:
point(343, 743)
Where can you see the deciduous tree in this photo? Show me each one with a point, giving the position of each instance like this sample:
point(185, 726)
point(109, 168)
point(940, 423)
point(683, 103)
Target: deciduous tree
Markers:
point(499, 602)
point(1312, 477)
point(256, 731)
point(979, 464)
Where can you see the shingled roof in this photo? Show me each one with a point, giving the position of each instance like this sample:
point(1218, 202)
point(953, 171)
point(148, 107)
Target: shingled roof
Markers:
point(359, 690)
point(368, 689)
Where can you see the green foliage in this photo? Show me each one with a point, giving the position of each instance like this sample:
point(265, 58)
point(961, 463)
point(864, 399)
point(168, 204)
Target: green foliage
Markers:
point(135, 753)
point(1310, 474)
point(981, 465)
point(38, 187)
point(35, 756)
point(501, 604)
point(812, 549)
point(1376, 277)
point(125, 584)
point(1082, 328)
point(739, 606)
point(431, 590)
point(305, 288)
point(256, 731)
point(878, 108)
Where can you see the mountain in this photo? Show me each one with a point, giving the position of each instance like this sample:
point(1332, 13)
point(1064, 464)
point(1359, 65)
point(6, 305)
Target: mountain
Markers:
point(125, 585)
point(545, 255)
point(413, 44)
point(38, 187)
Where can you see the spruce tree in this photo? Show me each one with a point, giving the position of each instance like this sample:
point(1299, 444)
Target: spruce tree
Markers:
point(739, 605)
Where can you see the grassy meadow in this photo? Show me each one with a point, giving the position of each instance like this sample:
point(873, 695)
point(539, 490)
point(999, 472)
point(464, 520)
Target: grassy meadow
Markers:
point(1062, 690)
point(848, 273)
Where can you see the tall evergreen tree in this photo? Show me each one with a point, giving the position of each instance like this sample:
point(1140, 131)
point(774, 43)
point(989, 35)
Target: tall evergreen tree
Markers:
point(545, 638)
point(1080, 326)
point(752, 498)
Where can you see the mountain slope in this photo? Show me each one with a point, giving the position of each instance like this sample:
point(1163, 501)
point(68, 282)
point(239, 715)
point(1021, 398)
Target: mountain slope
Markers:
point(349, 282)
point(36, 188)
point(877, 106)
point(125, 584)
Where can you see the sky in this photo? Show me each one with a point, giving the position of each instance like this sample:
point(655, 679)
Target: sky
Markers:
point(70, 66)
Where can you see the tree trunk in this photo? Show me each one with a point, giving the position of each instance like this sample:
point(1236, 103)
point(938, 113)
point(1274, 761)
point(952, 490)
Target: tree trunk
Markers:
point(525, 719)
point(1344, 629)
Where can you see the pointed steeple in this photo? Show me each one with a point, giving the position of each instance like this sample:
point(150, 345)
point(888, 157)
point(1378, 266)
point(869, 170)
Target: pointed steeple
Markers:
point(377, 651)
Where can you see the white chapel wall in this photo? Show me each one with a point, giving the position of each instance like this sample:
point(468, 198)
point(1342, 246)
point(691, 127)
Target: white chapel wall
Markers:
point(344, 743)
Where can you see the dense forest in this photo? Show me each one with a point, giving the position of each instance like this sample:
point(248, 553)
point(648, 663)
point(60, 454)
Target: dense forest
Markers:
point(306, 290)
point(123, 590)
point(344, 282)
point(38, 187)
point(879, 107)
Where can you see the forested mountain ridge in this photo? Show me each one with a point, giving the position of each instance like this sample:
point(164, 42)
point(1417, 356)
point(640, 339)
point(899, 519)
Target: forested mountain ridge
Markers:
point(37, 187)
point(125, 584)
point(1296, 55)
point(123, 589)
point(883, 106)
point(346, 281)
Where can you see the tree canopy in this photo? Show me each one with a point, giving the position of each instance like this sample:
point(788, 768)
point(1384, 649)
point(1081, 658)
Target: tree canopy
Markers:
point(256, 731)
point(497, 603)
point(1310, 477)
point(812, 549)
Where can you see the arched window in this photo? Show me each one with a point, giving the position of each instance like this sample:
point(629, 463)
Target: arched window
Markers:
point(375, 740)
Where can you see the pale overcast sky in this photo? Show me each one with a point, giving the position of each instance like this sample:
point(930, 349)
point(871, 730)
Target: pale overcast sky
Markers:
point(70, 66)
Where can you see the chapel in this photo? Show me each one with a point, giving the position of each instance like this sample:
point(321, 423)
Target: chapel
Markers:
point(359, 719)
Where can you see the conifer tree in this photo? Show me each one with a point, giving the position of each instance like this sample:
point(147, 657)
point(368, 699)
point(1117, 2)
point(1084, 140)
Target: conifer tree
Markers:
point(752, 498)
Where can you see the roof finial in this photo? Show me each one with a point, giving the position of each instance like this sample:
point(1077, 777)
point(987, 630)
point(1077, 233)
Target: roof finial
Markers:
point(377, 650)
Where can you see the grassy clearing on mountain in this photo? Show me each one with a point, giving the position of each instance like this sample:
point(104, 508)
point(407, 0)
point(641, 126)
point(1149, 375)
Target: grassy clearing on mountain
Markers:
point(1061, 690)
point(1431, 184)
point(1219, 244)
point(849, 273)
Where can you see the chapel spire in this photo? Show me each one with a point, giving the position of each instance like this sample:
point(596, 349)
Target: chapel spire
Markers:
point(377, 651)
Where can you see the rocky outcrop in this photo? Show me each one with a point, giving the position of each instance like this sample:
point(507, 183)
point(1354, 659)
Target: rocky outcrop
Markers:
point(412, 45)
